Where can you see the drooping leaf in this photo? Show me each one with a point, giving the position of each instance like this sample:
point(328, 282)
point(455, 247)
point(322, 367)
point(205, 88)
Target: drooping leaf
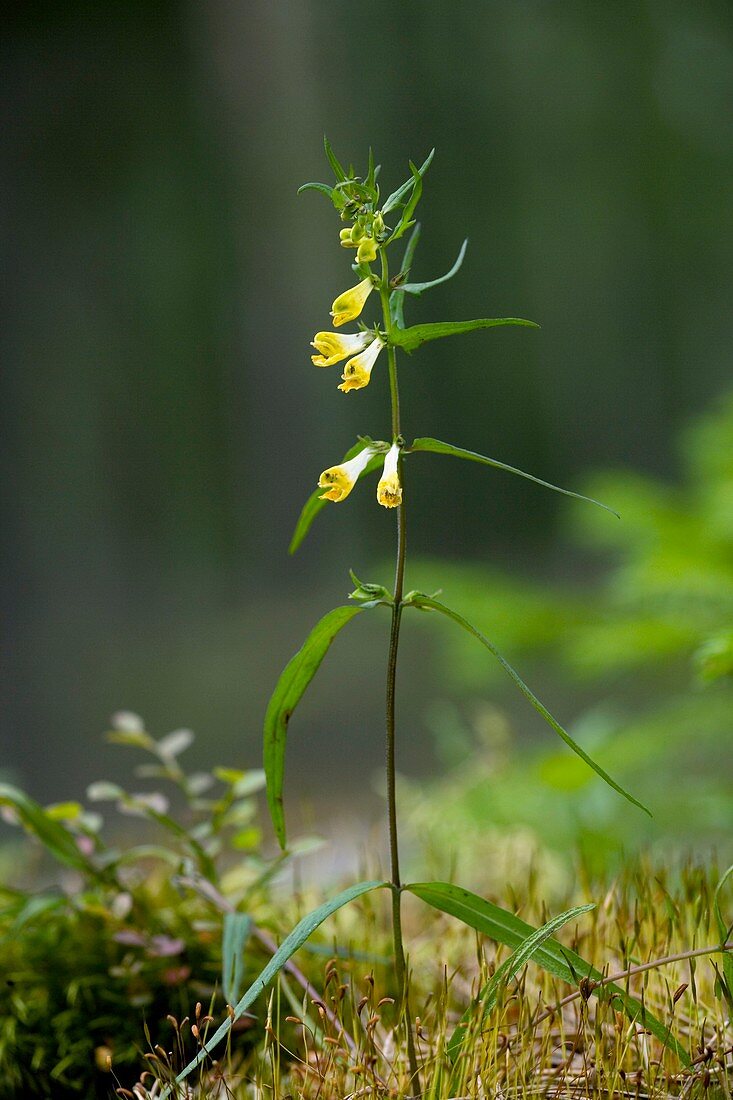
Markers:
point(397, 299)
point(236, 928)
point(333, 161)
point(288, 692)
point(418, 288)
point(486, 1000)
point(315, 502)
point(725, 930)
point(427, 603)
point(397, 196)
point(413, 337)
point(425, 443)
point(303, 930)
point(512, 931)
point(53, 836)
point(322, 187)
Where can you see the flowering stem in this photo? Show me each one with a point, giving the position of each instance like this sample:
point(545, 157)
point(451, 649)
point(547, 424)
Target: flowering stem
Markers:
point(394, 637)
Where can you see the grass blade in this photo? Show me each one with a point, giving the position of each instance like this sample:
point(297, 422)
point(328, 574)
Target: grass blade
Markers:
point(486, 1000)
point(303, 930)
point(725, 932)
point(505, 927)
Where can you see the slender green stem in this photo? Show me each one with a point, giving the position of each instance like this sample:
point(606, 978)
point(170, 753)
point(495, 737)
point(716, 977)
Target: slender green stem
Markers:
point(394, 638)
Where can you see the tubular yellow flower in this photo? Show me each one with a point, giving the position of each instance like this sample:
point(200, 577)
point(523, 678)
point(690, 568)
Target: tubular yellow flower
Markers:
point(338, 481)
point(350, 304)
point(367, 251)
point(335, 346)
point(389, 490)
point(358, 370)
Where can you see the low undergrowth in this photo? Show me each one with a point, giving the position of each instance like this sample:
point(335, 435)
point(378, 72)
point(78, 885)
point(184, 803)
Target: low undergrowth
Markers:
point(543, 1038)
point(120, 967)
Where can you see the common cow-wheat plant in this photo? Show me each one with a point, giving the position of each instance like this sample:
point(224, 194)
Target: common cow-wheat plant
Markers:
point(371, 226)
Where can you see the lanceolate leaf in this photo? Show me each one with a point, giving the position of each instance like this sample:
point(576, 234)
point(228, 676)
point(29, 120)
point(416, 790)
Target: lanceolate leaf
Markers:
point(322, 187)
point(371, 172)
point(397, 300)
point(418, 288)
point(333, 161)
point(51, 833)
point(435, 445)
point(413, 337)
point(293, 681)
point(314, 503)
point(302, 932)
point(486, 1000)
point(512, 931)
point(425, 602)
point(397, 196)
point(405, 221)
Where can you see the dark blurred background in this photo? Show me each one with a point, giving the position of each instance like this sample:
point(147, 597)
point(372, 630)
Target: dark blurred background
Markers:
point(162, 422)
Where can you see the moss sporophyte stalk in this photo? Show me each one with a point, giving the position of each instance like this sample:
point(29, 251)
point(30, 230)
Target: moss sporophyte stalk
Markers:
point(372, 225)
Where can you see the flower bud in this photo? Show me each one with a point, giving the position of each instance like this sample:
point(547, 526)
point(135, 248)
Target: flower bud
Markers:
point(349, 305)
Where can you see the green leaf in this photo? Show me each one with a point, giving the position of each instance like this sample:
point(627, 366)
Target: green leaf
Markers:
point(418, 288)
point(371, 178)
point(397, 299)
point(421, 601)
point(413, 337)
point(322, 187)
point(51, 833)
point(397, 196)
point(235, 933)
point(333, 161)
point(425, 443)
point(315, 503)
point(486, 1000)
point(302, 932)
point(288, 692)
point(512, 931)
point(725, 933)
point(406, 220)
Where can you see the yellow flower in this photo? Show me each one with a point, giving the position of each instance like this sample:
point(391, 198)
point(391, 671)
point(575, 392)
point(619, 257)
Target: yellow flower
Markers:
point(366, 253)
point(358, 370)
point(340, 480)
point(365, 245)
point(389, 490)
point(335, 346)
point(350, 304)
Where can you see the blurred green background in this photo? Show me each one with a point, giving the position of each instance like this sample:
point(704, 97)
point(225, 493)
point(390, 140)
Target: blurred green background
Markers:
point(162, 421)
